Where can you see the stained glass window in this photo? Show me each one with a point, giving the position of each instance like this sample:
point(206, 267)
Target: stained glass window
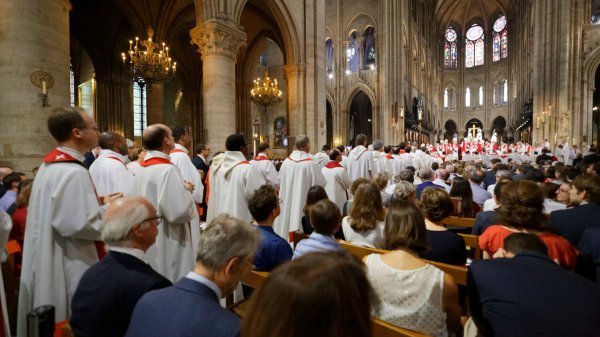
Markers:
point(480, 96)
point(500, 39)
point(140, 116)
point(369, 48)
point(505, 95)
point(468, 97)
point(474, 46)
point(352, 56)
point(329, 57)
point(450, 50)
point(72, 85)
point(446, 99)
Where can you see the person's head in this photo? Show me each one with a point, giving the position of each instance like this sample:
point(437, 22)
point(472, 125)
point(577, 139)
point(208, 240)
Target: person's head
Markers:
point(285, 305)
point(435, 204)
point(264, 204)
point(225, 250)
point(404, 175)
point(367, 208)
point(203, 149)
point(441, 174)
point(303, 143)
point(462, 189)
point(450, 168)
point(435, 166)
point(380, 180)
point(503, 174)
point(24, 193)
point(426, 174)
point(404, 190)
point(182, 136)
point(335, 155)
point(73, 127)
point(522, 205)
point(114, 142)
point(377, 145)
point(405, 228)
point(326, 148)
point(12, 180)
point(130, 147)
point(158, 137)
point(593, 169)
point(518, 242)
point(325, 217)
point(236, 142)
point(130, 222)
point(494, 162)
point(262, 147)
point(550, 172)
point(315, 193)
point(361, 139)
point(356, 183)
point(4, 171)
point(563, 194)
point(138, 154)
point(477, 176)
point(586, 187)
point(341, 149)
point(549, 189)
point(498, 188)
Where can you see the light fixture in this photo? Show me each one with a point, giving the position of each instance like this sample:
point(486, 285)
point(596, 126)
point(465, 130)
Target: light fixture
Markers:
point(265, 92)
point(148, 62)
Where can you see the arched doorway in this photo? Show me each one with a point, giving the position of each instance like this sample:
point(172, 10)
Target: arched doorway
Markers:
point(451, 130)
point(474, 129)
point(329, 124)
point(498, 126)
point(361, 115)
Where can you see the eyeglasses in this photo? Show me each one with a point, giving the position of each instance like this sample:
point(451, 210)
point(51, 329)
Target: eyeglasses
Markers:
point(157, 219)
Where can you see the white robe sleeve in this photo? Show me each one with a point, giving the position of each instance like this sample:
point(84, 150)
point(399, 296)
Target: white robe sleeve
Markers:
point(254, 180)
point(344, 180)
point(190, 173)
point(175, 203)
point(123, 179)
point(272, 175)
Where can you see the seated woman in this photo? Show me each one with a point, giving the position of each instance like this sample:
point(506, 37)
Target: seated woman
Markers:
point(422, 298)
point(522, 211)
point(445, 246)
point(315, 193)
point(462, 199)
point(364, 225)
point(348, 204)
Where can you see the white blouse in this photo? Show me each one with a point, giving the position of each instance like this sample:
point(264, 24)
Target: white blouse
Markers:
point(371, 238)
point(409, 298)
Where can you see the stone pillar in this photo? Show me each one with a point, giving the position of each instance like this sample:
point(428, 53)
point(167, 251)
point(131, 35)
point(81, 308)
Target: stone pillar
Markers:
point(294, 75)
point(27, 46)
point(219, 43)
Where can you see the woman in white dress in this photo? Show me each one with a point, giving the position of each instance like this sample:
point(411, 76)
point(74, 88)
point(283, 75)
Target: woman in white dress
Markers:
point(364, 225)
point(413, 294)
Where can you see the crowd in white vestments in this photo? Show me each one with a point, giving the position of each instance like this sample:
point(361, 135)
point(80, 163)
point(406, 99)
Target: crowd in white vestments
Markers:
point(388, 197)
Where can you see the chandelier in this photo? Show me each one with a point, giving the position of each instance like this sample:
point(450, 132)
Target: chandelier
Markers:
point(265, 92)
point(149, 62)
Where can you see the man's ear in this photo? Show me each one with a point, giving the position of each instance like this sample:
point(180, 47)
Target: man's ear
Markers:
point(232, 265)
point(76, 133)
point(137, 231)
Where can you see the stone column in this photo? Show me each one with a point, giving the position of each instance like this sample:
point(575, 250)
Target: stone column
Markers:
point(294, 75)
point(27, 46)
point(219, 43)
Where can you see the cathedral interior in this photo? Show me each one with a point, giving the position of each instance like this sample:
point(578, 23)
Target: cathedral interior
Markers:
point(417, 70)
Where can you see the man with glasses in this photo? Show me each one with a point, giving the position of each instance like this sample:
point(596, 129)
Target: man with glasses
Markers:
point(63, 220)
point(110, 289)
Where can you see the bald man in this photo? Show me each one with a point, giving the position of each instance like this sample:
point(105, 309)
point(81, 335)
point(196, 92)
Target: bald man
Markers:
point(110, 289)
point(162, 184)
point(108, 171)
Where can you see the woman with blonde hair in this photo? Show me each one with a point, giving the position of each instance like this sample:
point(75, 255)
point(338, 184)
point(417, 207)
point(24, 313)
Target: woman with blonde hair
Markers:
point(364, 225)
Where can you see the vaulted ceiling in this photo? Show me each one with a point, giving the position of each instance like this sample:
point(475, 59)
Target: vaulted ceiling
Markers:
point(464, 12)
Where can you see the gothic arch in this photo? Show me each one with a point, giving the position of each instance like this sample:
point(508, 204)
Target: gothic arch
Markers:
point(582, 123)
point(360, 22)
point(349, 96)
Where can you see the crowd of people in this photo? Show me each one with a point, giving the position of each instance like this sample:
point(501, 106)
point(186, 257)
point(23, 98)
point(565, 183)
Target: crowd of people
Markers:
point(146, 241)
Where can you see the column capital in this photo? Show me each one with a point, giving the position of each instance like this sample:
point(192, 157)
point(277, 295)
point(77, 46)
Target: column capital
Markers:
point(294, 70)
point(217, 37)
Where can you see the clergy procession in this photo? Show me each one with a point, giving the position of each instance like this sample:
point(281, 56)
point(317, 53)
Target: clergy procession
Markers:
point(152, 240)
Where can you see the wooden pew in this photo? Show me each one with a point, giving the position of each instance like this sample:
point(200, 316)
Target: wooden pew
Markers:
point(380, 328)
point(459, 222)
point(472, 242)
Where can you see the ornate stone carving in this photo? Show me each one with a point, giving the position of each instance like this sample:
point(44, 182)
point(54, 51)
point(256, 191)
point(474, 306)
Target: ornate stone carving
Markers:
point(215, 37)
point(294, 70)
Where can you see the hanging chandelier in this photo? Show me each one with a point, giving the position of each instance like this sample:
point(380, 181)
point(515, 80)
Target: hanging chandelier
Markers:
point(265, 92)
point(148, 62)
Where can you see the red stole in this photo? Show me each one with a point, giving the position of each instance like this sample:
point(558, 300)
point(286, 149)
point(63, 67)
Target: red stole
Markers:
point(389, 156)
point(333, 164)
point(155, 161)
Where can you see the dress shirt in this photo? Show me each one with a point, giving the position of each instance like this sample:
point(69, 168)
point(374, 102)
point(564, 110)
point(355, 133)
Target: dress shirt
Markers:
point(317, 243)
point(442, 183)
point(7, 200)
point(203, 280)
point(479, 194)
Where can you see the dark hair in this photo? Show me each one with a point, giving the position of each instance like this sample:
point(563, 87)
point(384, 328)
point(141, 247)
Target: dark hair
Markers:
point(262, 147)
point(387, 149)
point(412, 169)
point(495, 161)
point(235, 142)
point(550, 172)
point(550, 189)
point(360, 139)
point(325, 148)
point(462, 189)
point(179, 131)
point(62, 122)
point(435, 204)
point(535, 175)
point(333, 154)
point(200, 147)
point(285, 305)
point(367, 208)
point(405, 227)
point(262, 203)
point(108, 140)
point(435, 165)
point(590, 184)
point(153, 140)
point(325, 217)
point(500, 186)
point(477, 176)
point(500, 167)
point(341, 148)
point(522, 205)
point(518, 242)
point(11, 178)
point(314, 194)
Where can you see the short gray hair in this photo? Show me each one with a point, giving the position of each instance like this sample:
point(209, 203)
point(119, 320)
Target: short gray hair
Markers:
point(425, 173)
point(124, 214)
point(404, 175)
point(503, 174)
point(302, 142)
point(377, 145)
point(403, 190)
point(226, 237)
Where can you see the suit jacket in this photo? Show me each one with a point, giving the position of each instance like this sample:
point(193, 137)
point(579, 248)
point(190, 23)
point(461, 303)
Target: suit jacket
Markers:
point(483, 220)
point(200, 164)
point(571, 223)
point(589, 248)
point(108, 292)
point(422, 186)
point(187, 309)
point(530, 295)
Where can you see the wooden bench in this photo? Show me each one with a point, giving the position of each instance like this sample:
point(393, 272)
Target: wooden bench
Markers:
point(459, 222)
point(255, 279)
point(472, 242)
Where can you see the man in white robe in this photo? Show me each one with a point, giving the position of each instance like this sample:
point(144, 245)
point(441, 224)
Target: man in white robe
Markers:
point(161, 183)
point(232, 181)
point(108, 171)
point(298, 174)
point(63, 220)
point(360, 160)
point(265, 166)
point(322, 158)
point(379, 159)
point(337, 180)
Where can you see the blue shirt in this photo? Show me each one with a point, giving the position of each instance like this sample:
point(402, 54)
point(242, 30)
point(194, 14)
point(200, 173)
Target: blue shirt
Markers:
point(7, 200)
point(317, 243)
point(273, 250)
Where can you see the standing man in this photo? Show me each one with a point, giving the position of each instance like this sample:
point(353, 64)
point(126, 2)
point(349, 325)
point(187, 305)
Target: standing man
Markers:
point(337, 180)
point(360, 160)
point(265, 166)
point(298, 174)
point(63, 220)
point(108, 171)
point(200, 160)
point(322, 158)
point(161, 183)
point(232, 181)
point(379, 159)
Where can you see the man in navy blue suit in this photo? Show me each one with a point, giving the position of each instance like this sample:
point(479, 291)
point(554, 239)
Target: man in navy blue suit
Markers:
point(426, 175)
point(191, 307)
point(200, 161)
point(110, 289)
point(527, 294)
